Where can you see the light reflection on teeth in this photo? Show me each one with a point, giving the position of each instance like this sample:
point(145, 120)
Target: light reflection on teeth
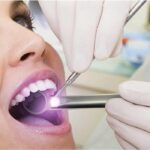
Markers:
point(40, 85)
point(50, 84)
point(14, 102)
point(25, 92)
point(20, 98)
point(33, 88)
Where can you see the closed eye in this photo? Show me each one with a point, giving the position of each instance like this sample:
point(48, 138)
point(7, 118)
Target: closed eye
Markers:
point(24, 20)
point(21, 14)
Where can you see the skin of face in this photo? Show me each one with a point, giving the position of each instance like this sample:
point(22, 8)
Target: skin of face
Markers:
point(16, 41)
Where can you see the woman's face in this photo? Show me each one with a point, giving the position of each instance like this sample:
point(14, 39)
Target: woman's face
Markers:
point(29, 70)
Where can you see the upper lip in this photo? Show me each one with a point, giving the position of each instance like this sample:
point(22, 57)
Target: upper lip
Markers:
point(38, 75)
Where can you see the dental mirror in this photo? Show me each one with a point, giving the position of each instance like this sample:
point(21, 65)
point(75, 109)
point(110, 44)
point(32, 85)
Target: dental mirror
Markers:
point(35, 104)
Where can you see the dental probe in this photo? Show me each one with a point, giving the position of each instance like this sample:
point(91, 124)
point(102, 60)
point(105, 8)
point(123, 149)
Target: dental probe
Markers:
point(91, 101)
point(75, 75)
point(134, 9)
point(68, 82)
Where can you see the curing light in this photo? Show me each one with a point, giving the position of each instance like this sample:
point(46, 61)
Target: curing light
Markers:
point(54, 102)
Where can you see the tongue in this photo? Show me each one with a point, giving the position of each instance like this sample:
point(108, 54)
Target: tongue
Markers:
point(32, 120)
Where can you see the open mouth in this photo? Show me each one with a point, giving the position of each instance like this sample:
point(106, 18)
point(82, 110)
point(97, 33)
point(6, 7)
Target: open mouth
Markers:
point(27, 105)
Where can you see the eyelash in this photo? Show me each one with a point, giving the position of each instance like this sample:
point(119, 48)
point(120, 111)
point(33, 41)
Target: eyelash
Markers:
point(25, 20)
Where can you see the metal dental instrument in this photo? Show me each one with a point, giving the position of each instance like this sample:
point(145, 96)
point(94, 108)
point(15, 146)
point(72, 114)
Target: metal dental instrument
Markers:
point(68, 82)
point(75, 75)
point(73, 102)
point(91, 101)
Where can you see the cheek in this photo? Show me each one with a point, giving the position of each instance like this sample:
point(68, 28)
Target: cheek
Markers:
point(53, 60)
point(1, 70)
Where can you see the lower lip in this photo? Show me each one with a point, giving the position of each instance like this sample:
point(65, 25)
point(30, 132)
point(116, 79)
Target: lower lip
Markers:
point(61, 129)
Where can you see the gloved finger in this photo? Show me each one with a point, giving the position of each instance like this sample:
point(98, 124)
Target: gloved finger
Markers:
point(131, 114)
point(124, 144)
point(138, 138)
point(137, 92)
point(117, 49)
point(49, 9)
point(110, 27)
point(66, 18)
point(86, 21)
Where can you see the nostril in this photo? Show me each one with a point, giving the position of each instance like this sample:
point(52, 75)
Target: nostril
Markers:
point(26, 56)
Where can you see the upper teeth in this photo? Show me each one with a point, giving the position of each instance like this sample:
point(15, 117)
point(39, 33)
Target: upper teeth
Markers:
point(40, 85)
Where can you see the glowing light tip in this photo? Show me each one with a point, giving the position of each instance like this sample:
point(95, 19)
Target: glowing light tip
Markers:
point(54, 102)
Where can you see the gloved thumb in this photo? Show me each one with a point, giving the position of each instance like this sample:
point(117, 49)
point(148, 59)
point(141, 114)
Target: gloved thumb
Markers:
point(137, 92)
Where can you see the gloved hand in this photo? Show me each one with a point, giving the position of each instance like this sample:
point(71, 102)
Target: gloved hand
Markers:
point(129, 117)
point(87, 29)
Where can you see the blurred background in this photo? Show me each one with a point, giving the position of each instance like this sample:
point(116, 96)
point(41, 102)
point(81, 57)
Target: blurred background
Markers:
point(102, 76)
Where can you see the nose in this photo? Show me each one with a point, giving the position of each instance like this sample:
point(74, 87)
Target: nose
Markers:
point(25, 46)
point(29, 50)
